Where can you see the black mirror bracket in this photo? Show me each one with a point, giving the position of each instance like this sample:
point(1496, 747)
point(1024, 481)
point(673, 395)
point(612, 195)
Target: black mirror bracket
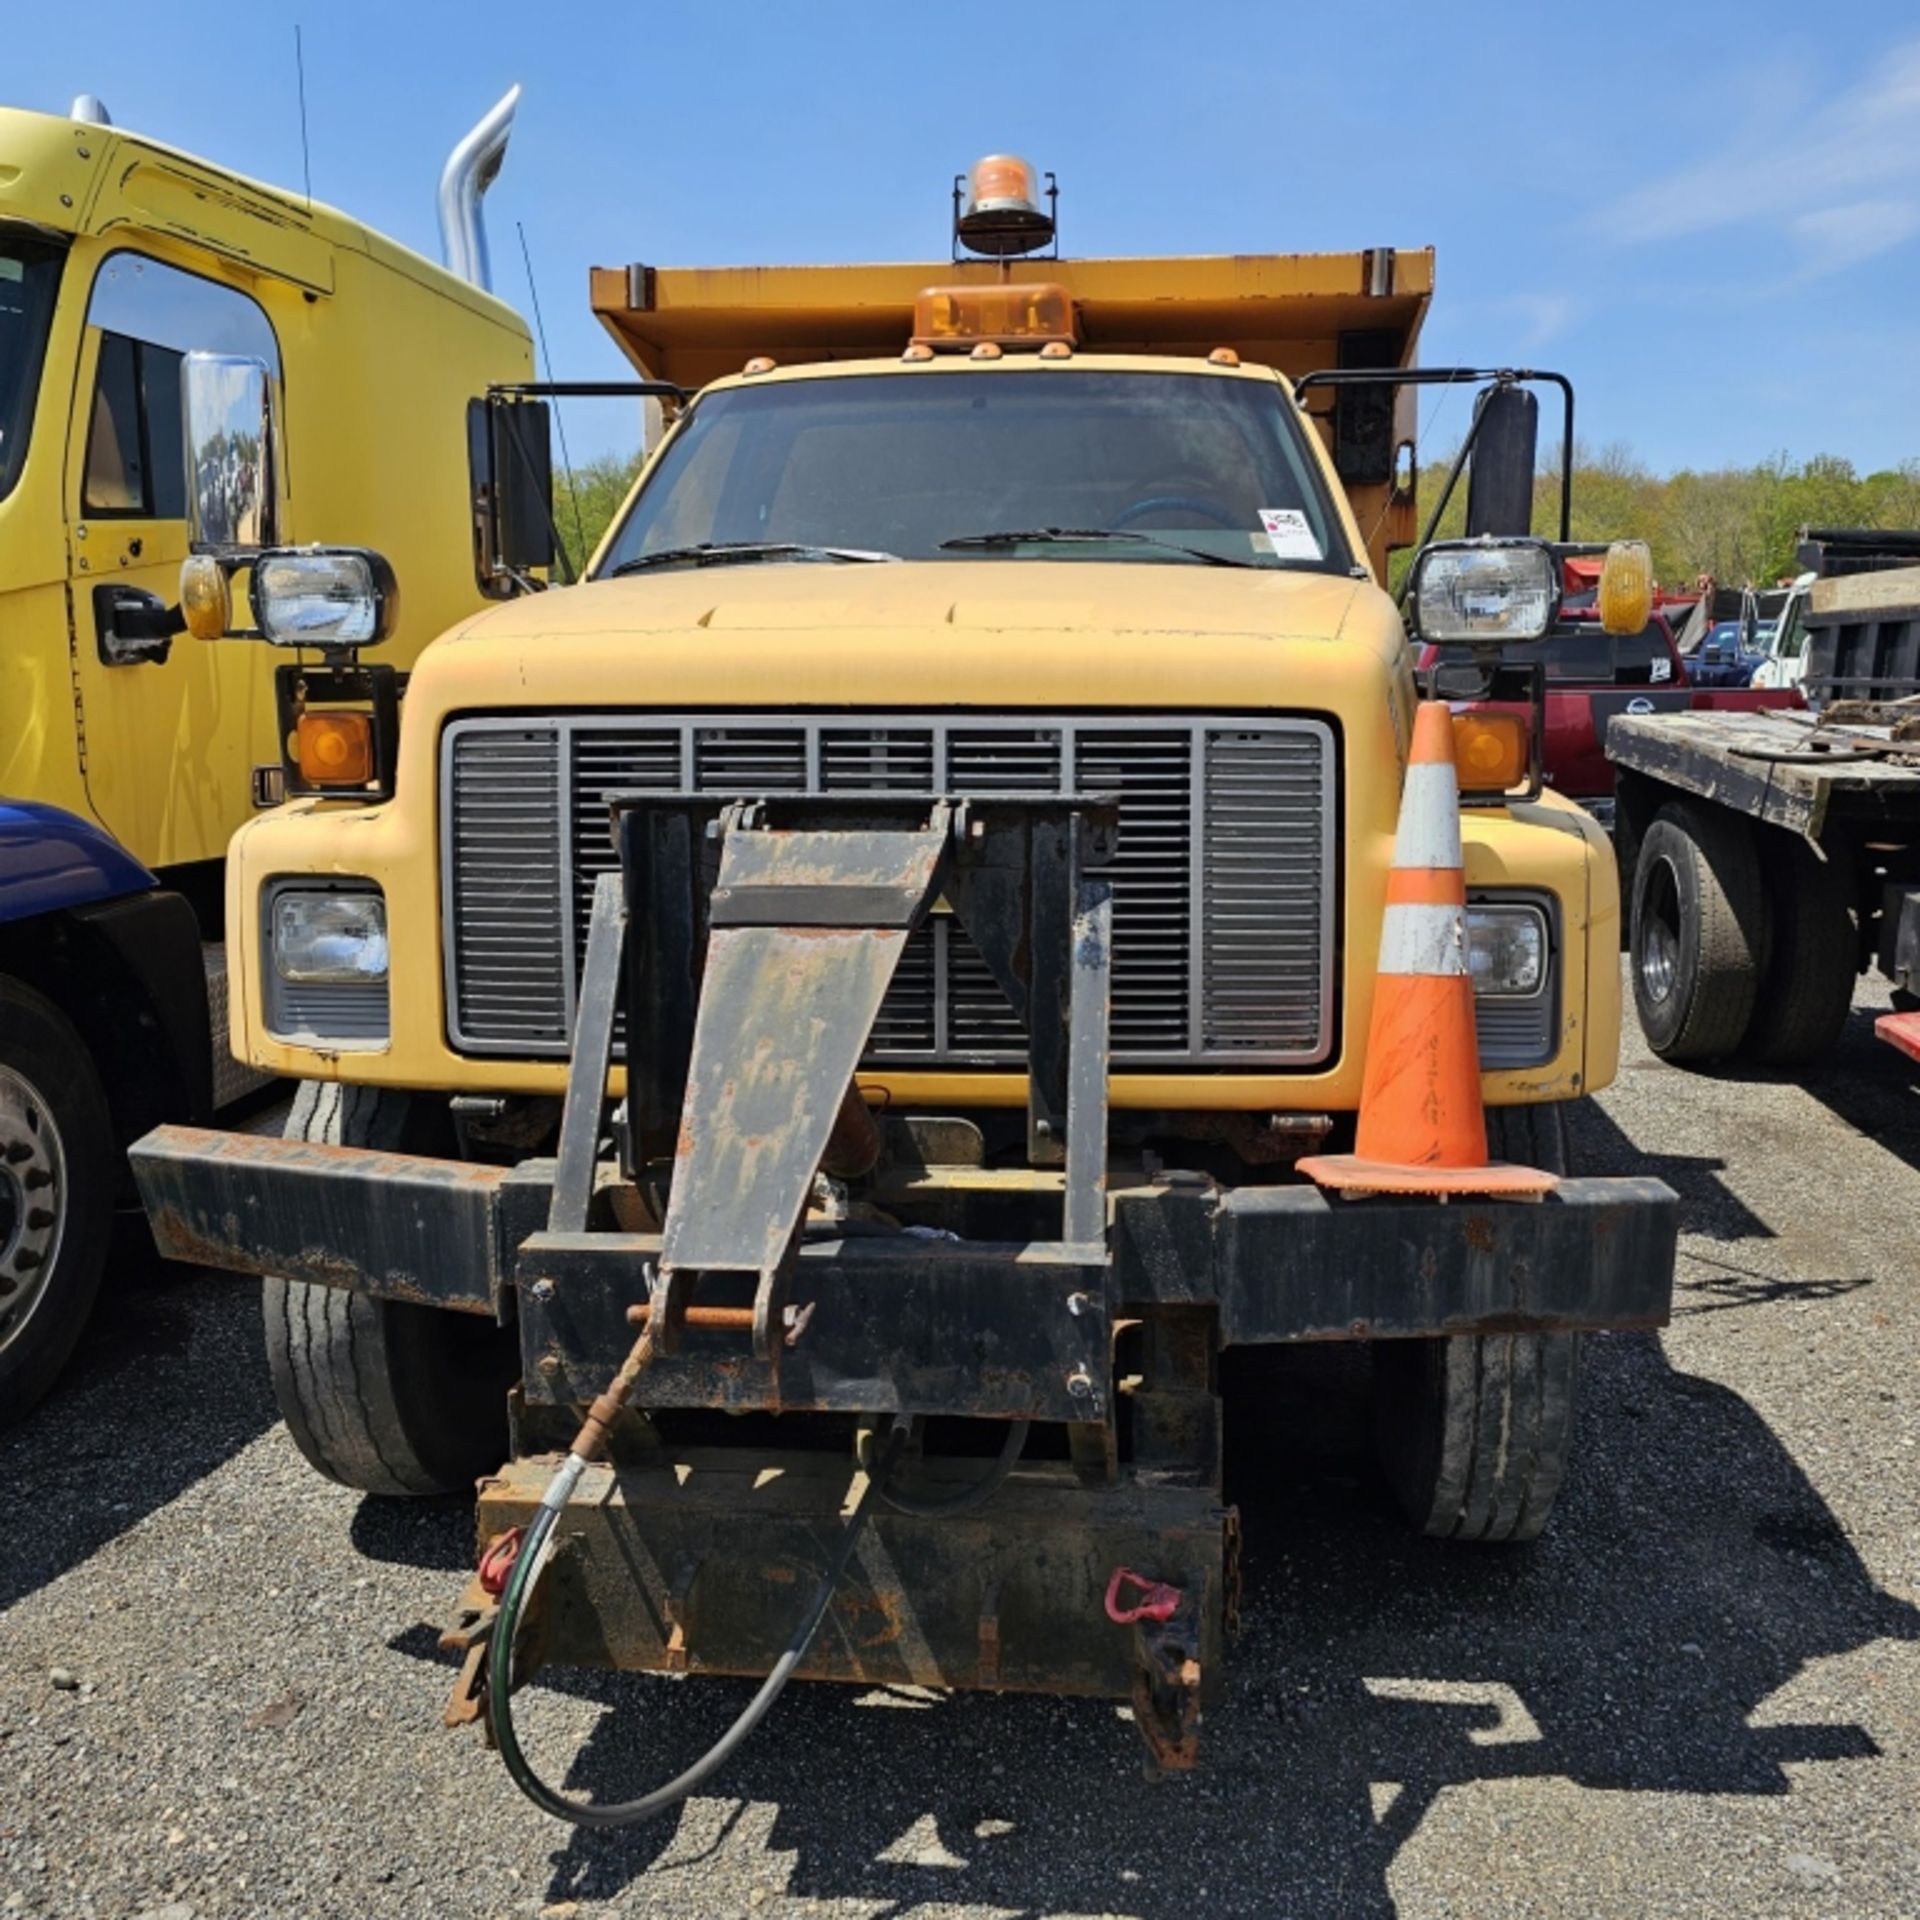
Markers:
point(133, 627)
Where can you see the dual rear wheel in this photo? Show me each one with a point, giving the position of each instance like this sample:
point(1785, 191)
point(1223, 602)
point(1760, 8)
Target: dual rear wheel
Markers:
point(1745, 941)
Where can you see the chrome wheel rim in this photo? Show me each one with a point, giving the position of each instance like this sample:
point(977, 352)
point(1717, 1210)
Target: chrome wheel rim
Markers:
point(1660, 933)
point(33, 1209)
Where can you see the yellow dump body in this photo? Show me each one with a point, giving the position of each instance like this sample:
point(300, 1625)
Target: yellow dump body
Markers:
point(378, 350)
point(1293, 312)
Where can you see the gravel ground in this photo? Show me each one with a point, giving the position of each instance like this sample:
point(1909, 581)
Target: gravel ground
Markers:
point(1699, 1694)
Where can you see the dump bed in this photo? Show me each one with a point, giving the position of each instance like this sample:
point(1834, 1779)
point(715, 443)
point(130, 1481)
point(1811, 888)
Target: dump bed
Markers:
point(1295, 312)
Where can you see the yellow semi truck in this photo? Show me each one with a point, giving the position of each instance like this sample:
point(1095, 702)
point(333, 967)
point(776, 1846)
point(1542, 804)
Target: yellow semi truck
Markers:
point(129, 274)
point(891, 935)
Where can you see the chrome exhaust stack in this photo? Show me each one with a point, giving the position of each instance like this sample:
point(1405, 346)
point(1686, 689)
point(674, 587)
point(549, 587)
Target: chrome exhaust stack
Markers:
point(471, 169)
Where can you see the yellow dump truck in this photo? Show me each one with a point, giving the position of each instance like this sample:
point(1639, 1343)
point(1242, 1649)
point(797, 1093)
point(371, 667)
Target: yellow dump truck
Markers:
point(134, 278)
point(890, 936)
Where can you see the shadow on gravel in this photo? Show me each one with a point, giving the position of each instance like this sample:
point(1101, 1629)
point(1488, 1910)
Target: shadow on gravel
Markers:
point(169, 1382)
point(1691, 1573)
point(1597, 1143)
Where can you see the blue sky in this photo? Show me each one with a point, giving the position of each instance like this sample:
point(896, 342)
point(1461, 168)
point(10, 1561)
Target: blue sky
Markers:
point(1707, 214)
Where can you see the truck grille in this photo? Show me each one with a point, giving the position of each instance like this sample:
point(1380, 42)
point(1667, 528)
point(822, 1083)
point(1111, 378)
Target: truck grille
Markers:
point(1223, 883)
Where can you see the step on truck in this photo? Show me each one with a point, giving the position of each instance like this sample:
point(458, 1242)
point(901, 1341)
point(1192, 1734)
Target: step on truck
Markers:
point(191, 364)
point(1775, 857)
point(843, 996)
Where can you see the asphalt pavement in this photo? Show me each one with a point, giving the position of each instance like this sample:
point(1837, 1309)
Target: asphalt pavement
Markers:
point(1699, 1694)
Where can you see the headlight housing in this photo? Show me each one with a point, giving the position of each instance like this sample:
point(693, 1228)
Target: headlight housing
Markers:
point(331, 938)
point(323, 596)
point(1507, 951)
point(1489, 592)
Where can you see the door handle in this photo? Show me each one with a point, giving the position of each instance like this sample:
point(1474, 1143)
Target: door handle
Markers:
point(131, 625)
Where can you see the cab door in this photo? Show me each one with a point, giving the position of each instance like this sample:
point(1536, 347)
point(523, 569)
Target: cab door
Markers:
point(170, 731)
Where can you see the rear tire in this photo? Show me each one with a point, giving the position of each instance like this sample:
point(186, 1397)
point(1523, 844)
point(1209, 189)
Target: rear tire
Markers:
point(1474, 1431)
point(382, 1395)
point(1700, 932)
point(1814, 959)
point(58, 1168)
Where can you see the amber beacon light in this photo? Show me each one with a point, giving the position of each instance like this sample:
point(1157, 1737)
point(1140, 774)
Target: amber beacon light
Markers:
point(997, 208)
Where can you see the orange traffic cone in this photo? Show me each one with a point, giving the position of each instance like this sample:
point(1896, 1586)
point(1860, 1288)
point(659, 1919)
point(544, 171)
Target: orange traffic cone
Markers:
point(1422, 1127)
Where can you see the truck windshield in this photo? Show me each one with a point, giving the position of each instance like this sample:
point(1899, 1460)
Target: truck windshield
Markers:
point(29, 277)
point(906, 465)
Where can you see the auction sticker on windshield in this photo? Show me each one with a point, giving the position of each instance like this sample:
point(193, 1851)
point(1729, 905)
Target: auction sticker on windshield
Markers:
point(1289, 534)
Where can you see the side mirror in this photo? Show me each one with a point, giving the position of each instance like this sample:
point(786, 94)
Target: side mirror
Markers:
point(231, 433)
point(1484, 593)
point(510, 459)
point(1500, 476)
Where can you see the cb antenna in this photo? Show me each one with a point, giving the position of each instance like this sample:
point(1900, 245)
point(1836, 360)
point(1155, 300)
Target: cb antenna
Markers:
point(559, 416)
point(300, 82)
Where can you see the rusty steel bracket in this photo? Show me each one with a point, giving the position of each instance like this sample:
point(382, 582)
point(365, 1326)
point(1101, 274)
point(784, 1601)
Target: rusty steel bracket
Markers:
point(470, 1634)
point(806, 926)
point(1166, 1665)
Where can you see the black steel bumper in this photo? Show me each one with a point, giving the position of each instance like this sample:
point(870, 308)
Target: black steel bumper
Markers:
point(1009, 1327)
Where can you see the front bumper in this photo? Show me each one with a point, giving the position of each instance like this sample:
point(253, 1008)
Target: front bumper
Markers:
point(998, 1324)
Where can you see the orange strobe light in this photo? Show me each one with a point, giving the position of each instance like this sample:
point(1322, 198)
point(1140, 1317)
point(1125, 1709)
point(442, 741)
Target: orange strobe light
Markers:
point(334, 749)
point(1422, 1127)
point(1001, 212)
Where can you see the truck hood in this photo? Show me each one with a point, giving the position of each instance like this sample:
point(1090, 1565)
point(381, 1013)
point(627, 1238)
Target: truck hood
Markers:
point(961, 633)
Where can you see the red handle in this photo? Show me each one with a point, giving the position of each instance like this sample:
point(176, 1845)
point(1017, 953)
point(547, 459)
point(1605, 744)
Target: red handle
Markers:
point(1159, 1601)
point(497, 1562)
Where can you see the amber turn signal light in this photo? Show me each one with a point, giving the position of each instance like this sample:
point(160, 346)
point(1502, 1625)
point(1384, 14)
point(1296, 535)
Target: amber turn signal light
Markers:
point(206, 603)
point(334, 749)
point(1491, 751)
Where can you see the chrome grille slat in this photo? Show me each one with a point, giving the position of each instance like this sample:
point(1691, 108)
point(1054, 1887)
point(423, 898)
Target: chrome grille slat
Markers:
point(1223, 903)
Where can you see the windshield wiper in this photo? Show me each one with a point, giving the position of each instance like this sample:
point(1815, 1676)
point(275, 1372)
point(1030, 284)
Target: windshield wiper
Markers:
point(1069, 536)
point(721, 553)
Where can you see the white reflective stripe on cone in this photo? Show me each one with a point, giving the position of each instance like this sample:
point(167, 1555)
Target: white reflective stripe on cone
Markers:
point(1430, 940)
point(1429, 832)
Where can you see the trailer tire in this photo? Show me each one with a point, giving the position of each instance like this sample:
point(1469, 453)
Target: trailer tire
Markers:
point(58, 1167)
point(381, 1395)
point(1700, 932)
point(1807, 990)
point(1474, 1430)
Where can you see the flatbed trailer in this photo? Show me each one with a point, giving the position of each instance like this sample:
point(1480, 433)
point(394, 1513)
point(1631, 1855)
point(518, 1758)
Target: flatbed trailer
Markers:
point(1775, 856)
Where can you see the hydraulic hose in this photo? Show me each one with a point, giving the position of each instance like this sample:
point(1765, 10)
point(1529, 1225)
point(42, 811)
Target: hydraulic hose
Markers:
point(526, 1574)
point(973, 1495)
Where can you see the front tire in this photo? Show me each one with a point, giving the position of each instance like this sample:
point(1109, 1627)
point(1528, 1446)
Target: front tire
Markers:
point(381, 1395)
point(57, 1175)
point(1474, 1431)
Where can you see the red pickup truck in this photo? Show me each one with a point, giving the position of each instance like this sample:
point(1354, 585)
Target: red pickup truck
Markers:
point(1592, 675)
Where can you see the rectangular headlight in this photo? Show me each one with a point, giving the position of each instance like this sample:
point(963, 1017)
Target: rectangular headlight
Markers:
point(1488, 591)
point(1507, 951)
point(323, 596)
point(329, 939)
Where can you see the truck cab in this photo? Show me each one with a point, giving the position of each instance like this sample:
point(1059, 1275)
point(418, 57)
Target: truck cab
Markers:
point(121, 259)
point(1029, 567)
